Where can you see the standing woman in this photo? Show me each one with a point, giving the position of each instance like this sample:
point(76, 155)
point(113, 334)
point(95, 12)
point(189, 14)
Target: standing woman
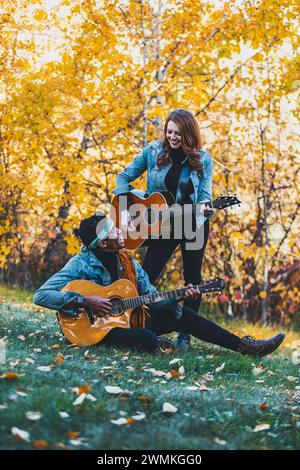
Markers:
point(176, 164)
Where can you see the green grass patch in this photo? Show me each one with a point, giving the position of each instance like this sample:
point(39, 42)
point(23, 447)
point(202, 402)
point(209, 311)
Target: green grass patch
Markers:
point(222, 417)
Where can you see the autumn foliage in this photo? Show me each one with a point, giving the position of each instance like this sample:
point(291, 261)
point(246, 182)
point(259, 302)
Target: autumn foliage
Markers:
point(85, 84)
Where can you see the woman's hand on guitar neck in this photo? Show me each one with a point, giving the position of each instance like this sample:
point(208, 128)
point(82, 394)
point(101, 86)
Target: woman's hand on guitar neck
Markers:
point(207, 208)
point(99, 305)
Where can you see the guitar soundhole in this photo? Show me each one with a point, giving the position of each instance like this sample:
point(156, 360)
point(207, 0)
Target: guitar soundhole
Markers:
point(117, 308)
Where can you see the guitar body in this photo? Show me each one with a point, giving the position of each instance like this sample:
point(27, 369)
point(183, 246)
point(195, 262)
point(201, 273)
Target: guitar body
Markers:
point(139, 206)
point(80, 330)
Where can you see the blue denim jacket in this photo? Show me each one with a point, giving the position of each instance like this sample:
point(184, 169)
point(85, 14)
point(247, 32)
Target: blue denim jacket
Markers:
point(147, 160)
point(87, 266)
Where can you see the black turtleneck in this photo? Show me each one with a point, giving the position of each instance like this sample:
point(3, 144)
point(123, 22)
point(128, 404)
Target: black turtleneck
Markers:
point(172, 177)
point(110, 261)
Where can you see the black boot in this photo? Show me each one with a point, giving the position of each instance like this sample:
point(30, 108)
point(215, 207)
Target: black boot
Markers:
point(260, 348)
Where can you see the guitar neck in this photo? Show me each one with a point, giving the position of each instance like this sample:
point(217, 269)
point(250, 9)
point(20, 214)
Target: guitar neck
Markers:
point(185, 209)
point(219, 203)
point(156, 297)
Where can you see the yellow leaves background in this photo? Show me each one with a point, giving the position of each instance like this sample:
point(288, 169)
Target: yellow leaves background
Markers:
point(84, 86)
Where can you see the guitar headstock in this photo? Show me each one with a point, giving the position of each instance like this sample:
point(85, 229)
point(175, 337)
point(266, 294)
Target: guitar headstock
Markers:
point(212, 285)
point(225, 201)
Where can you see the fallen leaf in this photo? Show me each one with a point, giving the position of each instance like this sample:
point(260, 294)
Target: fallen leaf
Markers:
point(72, 434)
point(261, 427)
point(296, 357)
point(169, 408)
point(82, 389)
point(59, 360)
point(264, 406)
point(91, 397)
point(270, 372)
point(173, 373)
point(44, 368)
point(207, 377)
point(203, 388)
point(40, 444)
point(139, 416)
point(20, 435)
point(291, 378)
point(144, 398)
point(218, 369)
point(119, 421)
point(55, 346)
point(75, 442)
point(257, 370)
point(63, 414)
point(219, 441)
point(192, 388)
point(60, 445)
point(29, 360)
point(33, 415)
point(116, 390)
point(21, 337)
point(158, 373)
point(130, 421)
point(10, 376)
point(14, 363)
point(80, 399)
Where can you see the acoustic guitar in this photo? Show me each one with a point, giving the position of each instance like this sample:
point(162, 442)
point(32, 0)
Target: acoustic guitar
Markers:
point(88, 328)
point(151, 215)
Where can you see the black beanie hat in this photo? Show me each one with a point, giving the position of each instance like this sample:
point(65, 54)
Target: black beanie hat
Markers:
point(87, 229)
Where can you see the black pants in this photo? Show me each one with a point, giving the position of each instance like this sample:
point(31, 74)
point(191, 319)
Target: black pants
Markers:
point(159, 252)
point(163, 321)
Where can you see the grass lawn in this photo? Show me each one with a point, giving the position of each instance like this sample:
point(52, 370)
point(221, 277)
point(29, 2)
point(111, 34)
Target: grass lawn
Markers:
point(223, 400)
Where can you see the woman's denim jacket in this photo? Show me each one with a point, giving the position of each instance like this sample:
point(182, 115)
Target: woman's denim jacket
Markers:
point(88, 267)
point(147, 160)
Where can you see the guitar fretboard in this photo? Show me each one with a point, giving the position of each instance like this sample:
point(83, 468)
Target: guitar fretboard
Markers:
point(151, 298)
point(177, 209)
point(133, 302)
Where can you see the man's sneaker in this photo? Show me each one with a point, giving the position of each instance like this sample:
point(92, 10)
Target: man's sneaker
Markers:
point(183, 341)
point(255, 347)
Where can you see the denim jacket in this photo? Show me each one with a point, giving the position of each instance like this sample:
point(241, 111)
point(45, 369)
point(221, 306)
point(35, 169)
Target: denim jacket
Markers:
point(87, 266)
point(147, 160)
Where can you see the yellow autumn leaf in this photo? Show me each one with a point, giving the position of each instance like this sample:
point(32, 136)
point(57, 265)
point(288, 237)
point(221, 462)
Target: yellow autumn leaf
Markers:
point(40, 15)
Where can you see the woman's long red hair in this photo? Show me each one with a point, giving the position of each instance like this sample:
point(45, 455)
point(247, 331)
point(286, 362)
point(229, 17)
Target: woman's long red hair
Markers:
point(190, 138)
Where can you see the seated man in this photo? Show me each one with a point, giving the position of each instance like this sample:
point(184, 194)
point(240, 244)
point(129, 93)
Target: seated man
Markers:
point(103, 261)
